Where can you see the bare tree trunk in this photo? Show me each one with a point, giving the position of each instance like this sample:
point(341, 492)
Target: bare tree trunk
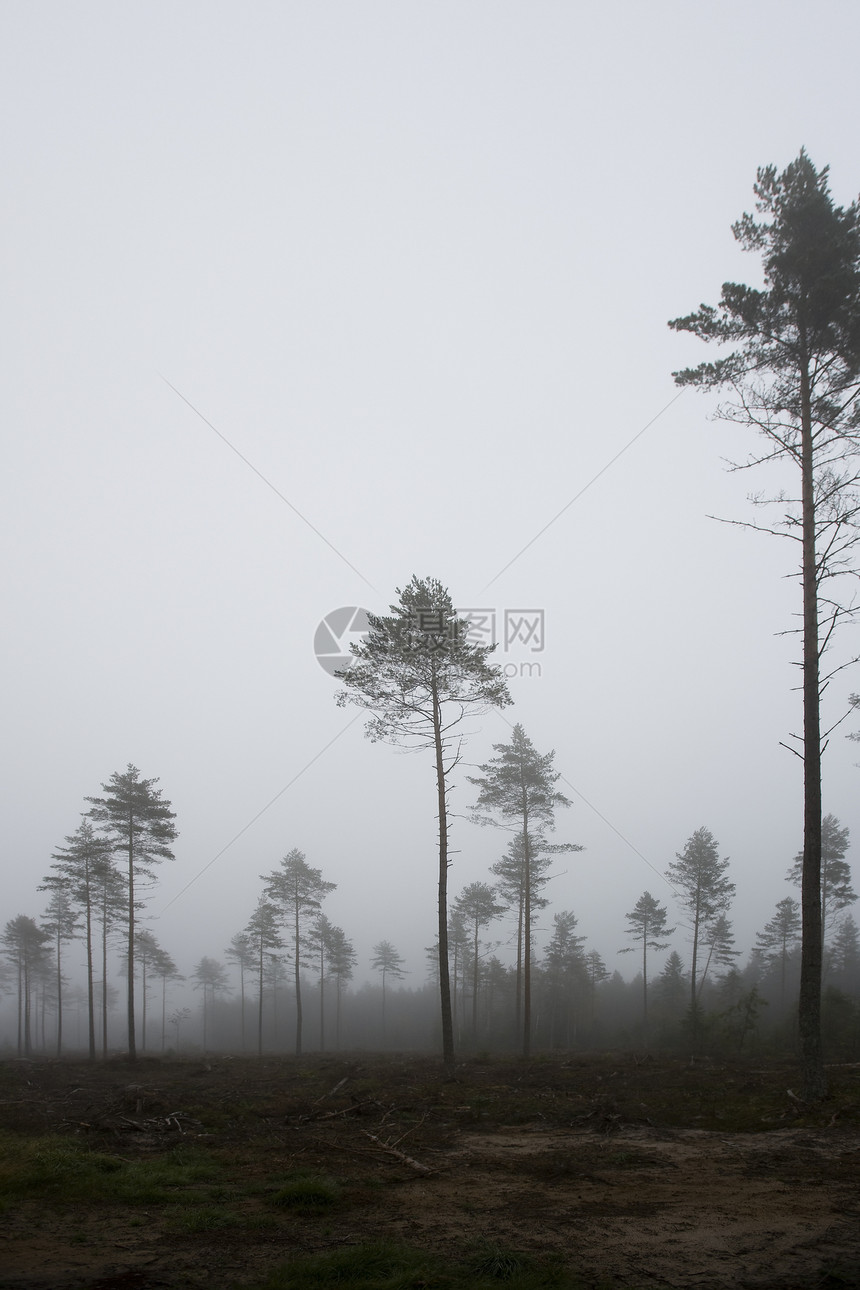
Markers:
point(527, 936)
point(518, 983)
point(475, 989)
point(91, 1019)
point(104, 985)
point(242, 992)
point(444, 977)
point(645, 986)
point(322, 995)
point(143, 1006)
point(132, 1051)
point(809, 1006)
point(20, 1006)
point(260, 1009)
point(59, 996)
point(298, 980)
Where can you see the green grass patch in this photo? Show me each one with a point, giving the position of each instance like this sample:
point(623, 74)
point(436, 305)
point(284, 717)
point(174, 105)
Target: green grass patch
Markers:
point(206, 1218)
point(307, 1193)
point(66, 1170)
point(383, 1266)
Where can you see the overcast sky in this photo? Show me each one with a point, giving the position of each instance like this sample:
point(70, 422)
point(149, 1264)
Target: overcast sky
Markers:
point(299, 300)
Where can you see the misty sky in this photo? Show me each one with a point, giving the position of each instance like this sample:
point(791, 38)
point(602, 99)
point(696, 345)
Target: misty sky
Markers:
point(299, 300)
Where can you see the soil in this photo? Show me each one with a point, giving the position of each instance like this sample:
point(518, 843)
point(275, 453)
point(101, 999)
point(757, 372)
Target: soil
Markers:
point(635, 1172)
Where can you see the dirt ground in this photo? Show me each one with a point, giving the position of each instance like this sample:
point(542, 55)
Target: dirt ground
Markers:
point(637, 1172)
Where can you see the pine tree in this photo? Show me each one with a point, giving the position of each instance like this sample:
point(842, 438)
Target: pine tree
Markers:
point(511, 873)
point(477, 907)
point(241, 952)
point(341, 964)
point(420, 676)
point(836, 890)
point(61, 921)
point(146, 951)
point(166, 970)
point(670, 988)
point(298, 891)
point(719, 941)
point(598, 973)
point(263, 931)
point(335, 959)
point(778, 938)
point(794, 376)
point(388, 963)
point(704, 891)
point(517, 788)
point(25, 945)
point(210, 976)
point(84, 862)
point(139, 823)
point(111, 912)
point(566, 974)
point(647, 921)
point(845, 955)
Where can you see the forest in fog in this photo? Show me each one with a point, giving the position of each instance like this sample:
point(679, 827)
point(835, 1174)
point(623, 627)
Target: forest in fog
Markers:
point(291, 981)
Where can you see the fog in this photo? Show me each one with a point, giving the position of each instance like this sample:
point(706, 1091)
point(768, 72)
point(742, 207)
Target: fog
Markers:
point(301, 300)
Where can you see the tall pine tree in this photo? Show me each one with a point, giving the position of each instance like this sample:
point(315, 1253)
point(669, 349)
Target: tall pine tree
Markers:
point(517, 789)
point(793, 375)
point(139, 823)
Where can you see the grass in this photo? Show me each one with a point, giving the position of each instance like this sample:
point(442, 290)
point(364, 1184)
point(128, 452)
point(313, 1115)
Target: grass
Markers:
point(385, 1266)
point(65, 1170)
point(211, 1218)
point(307, 1193)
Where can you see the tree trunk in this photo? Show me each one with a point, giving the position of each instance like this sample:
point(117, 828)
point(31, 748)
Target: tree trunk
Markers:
point(59, 995)
point(104, 984)
point(322, 995)
point(809, 1005)
point(298, 981)
point(527, 937)
point(27, 1013)
point(242, 994)
point(260, 1007)
point(91, 1019)
point(383, 1007)
point(475, 989)
point(143, 1005)
point(444, 977)
point(20, 1006)
point(132, 1051)
point(645, 986)
point(518, 984)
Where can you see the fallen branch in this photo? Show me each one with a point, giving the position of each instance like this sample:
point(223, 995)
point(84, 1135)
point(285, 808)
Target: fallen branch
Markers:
point(356, 1109)
point(399, 1155)
point(332, 1091)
